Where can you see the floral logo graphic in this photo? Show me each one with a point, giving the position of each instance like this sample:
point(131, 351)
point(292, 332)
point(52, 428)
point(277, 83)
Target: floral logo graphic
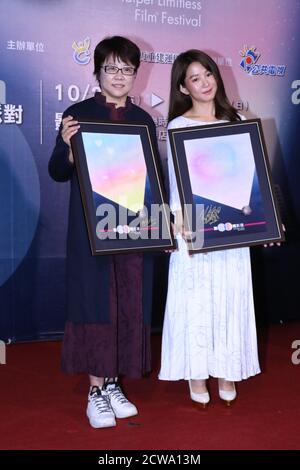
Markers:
point(81, 54)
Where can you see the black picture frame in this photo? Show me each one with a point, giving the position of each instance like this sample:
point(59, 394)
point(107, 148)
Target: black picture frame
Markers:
point(119, 173)
point(223, 169)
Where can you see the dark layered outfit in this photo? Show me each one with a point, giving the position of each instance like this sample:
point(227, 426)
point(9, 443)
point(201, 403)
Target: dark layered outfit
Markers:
point(108, 297)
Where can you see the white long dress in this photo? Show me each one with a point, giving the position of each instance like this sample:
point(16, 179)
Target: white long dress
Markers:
point(209, 325)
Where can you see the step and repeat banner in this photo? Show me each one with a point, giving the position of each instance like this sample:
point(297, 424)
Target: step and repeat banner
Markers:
point(47, 64)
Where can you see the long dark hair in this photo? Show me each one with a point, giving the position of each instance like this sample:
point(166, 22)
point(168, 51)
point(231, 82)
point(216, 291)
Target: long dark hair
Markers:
point(120, 48)
point(180, 103)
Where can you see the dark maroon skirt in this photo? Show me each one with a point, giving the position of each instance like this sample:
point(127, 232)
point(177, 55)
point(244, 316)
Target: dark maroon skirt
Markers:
point(121, 347)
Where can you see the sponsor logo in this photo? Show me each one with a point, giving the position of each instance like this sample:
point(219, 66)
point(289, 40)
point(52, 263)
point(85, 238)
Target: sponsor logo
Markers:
point(249, 64)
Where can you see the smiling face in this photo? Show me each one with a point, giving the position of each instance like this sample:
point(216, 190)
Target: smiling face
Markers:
point(115, 87)
point(199, 84)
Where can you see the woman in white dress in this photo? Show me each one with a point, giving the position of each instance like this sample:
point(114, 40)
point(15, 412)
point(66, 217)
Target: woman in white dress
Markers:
point(209, 326)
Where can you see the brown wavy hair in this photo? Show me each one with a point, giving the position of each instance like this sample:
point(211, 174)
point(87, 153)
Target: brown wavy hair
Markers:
point(179, 103)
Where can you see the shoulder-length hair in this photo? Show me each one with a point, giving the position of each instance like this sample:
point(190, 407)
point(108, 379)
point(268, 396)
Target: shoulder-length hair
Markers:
point(180, 103)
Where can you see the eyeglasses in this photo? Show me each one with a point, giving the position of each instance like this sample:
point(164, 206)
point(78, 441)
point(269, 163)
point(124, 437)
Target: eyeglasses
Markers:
point(113, 69)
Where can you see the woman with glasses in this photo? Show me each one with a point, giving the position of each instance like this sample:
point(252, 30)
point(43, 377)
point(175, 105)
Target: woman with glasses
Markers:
point(107, 331)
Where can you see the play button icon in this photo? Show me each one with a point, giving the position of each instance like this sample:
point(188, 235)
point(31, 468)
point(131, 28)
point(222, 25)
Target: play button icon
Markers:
point(155, 100)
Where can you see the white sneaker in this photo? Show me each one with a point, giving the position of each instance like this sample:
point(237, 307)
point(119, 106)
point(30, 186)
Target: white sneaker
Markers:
point(99, 410)
point(122, 407)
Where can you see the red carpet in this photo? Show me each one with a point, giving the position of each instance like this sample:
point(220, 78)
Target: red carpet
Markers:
point(43, 409)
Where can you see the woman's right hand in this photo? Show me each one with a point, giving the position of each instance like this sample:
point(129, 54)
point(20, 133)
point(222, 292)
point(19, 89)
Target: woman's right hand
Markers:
point(69, 128)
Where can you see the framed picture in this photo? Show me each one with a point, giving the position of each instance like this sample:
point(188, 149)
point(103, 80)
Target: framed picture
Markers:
point(121, 188)
point(224, 183)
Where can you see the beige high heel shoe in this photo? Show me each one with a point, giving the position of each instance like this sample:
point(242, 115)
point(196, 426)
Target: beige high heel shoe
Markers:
point(202, 398)
point(228, 396)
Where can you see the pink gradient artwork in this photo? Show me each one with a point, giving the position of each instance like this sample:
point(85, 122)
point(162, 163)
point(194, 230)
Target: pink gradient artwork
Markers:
point(222, 168)
point(117, 168)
